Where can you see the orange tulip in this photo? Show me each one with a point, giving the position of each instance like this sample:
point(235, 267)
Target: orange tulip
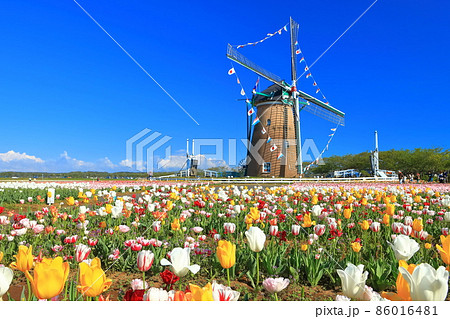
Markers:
point(347, 213)
point(444, 251)
point(386, 219)
point(356, 247)
point(417, 225)
point(402, 285)
point(390, 209)
point(175, 224)
point(365, 225)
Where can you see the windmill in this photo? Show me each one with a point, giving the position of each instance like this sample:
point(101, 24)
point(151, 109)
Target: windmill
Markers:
point(278, 108)
point(191, 162)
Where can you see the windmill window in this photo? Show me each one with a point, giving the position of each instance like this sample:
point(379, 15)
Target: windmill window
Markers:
point(286, 143)
point(266, 167)
point(268, 122)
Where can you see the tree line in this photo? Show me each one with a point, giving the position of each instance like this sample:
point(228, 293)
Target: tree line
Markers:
point(419, 160)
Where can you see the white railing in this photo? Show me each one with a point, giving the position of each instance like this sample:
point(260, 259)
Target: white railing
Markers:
point(236, 180)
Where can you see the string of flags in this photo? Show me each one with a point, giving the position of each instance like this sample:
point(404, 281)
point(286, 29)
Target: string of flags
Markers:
point(252, 111)
point(256, 120)
point(318, 158)
point(309, 74)
point(269, 35)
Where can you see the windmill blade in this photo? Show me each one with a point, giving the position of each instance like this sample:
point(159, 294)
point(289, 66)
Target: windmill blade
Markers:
point(321, 109)
point(238, 57)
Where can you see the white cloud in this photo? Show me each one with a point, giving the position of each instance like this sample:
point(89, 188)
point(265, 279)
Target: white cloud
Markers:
point(15, 156)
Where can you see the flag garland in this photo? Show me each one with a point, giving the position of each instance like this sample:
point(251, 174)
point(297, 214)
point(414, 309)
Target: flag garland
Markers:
point(317, 160)
point(269, 35)
point(252, 111)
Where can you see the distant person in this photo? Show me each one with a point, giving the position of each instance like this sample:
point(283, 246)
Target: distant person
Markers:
point(430, 177)
point(400, 177)
point(418, 178)
point(441, 177)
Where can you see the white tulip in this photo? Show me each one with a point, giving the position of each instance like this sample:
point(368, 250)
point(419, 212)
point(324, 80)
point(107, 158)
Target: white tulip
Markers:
point(316, 210)
point(404, 247)
point(224, 293)
point(447, 217)
point(180, 262)
point(156, 294)
point(6, 276)
point(116, 212)
point(426, 283)
point(353, 281)
point(256, 239)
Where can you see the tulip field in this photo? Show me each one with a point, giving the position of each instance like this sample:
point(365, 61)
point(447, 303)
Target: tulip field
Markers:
point(163, 241)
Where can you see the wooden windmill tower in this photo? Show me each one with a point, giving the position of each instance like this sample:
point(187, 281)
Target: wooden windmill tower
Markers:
point(278, 109)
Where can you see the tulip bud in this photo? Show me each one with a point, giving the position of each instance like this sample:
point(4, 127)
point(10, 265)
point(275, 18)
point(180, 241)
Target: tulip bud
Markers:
point(295, 230)
point(145, 260)
point(375, 227)
point(273, 230)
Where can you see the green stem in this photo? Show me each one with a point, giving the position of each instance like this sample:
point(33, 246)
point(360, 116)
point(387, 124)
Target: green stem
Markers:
point(276, 297)
point(257, 269)
point(143, 280)
point(29, 290)
point(228, 276)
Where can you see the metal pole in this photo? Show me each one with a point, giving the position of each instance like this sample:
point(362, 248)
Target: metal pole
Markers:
point(187, 158)
point(293, 27)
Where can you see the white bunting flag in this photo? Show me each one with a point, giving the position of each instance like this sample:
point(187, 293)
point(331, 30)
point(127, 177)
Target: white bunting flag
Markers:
point(251, 111)
point(273, 148)
point(231, 71)
point(242, 92)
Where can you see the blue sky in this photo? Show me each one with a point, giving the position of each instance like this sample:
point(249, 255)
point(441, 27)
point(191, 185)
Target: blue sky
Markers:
point(70, 97)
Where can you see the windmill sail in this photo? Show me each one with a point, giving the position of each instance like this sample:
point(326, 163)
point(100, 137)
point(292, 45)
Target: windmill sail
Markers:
point(321, 109)
point(238, 57)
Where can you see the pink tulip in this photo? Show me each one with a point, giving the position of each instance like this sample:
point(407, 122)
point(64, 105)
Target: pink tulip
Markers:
point(274, 285)
point(92, 242)
point(136, 247)
point(124, 228)
point(230, 228)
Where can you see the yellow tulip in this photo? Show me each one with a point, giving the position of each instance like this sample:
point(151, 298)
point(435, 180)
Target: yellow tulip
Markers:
point(314, 200)
point(1, 256)
point(365, 225)
point(254, 213)
point(304, 247)
point(417, 225)
point(402, 285)
point(108, 208)
point(347, 213)
point(226, 252)
point(428, 246)
point(70, 201)
point(201, 294)
point(175, 224)
point(49, 277)
point(364, 201)
point(418, 199)
point(356, 247)
point(444, 251)
point(93, 280)
point(114, 188)
point(390, 209)
point(307, 221)
point(393, 198)
point(24, 259)
point(386, 219)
